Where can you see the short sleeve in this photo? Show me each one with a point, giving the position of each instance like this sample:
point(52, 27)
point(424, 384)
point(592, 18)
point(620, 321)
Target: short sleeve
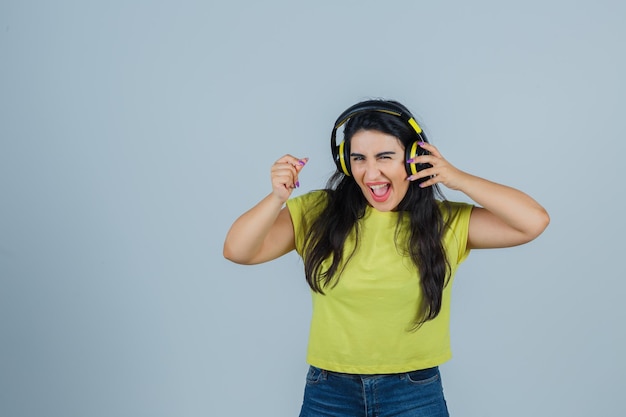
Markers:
point(457, 232)
point(303, 209)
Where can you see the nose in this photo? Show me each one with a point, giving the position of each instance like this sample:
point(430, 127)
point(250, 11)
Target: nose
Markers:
point(372, 170)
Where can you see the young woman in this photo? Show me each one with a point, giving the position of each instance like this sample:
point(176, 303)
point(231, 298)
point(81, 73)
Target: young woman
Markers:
point(380, 246)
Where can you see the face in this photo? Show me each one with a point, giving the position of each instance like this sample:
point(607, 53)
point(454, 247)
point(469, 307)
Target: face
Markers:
point(377, 165)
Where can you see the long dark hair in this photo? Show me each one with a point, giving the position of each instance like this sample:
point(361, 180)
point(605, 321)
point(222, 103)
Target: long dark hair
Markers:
point(345, 205)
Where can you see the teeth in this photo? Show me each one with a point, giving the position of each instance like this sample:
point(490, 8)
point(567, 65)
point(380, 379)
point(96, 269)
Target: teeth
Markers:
point(379, 189)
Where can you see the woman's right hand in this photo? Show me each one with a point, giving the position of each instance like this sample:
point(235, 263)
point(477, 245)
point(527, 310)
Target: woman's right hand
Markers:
point(284, 174)
point(265, 232)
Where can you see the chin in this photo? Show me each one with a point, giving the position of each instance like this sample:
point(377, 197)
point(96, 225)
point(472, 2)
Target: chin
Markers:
point(383, 205)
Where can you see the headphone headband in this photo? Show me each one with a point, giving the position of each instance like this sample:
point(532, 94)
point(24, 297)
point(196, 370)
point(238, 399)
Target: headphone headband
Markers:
point(393, 108)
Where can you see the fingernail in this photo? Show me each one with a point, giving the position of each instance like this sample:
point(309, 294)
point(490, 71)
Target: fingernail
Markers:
point(410, 178)
point(410, 161)
point(421, 143)
point(303, 161)
point(297, 184)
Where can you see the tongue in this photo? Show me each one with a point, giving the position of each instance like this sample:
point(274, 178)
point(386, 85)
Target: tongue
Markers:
point(380, 191)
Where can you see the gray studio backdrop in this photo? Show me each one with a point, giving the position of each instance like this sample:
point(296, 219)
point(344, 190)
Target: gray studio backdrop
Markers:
point(132, 134)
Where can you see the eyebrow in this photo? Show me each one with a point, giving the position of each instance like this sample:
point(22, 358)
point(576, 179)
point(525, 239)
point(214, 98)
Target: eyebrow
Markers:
point(377, 155)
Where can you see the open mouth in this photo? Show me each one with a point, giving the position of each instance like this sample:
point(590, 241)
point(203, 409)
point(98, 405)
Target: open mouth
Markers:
point(380, 192)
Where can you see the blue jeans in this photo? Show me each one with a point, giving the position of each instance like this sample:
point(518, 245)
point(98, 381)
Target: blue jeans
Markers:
point(411, 394)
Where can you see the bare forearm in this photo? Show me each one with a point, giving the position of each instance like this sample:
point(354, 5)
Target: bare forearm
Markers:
point(515, 208)
point(245, 238)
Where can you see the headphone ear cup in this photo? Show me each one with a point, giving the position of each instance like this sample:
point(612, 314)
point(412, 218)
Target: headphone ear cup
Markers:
point(343, 159)
point(346, 159)
point(411, 152)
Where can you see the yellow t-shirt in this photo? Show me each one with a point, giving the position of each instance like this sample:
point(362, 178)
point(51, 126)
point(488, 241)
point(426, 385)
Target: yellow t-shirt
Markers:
point(362, 325)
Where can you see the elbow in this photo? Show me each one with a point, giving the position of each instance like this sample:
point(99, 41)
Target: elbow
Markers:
point(539, 224)
point(231, 256)
point(234, 256)
point(228, 255)
point(543, 222)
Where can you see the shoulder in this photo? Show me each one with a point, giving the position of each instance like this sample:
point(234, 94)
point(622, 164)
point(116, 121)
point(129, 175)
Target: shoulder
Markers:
point(303, 209)
point(456, 216)
point(453, 211)
point(457, 221)
point(313, 200)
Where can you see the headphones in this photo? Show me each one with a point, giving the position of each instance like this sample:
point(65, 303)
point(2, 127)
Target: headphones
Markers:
point(341, 152)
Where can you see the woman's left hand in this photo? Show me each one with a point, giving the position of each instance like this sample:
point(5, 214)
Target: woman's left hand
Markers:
point(440, 171)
